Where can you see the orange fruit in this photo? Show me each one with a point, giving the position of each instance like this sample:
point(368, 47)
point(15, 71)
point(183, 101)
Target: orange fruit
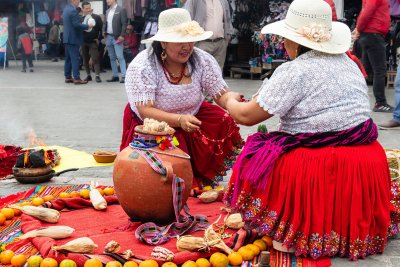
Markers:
point(254, 248)
point(48, 198)
point(17, 212)
point(74, 194)
point(18, 260)
point(85, 193)
point(6, 256)
point(207, 188)
point(235, 259)
point(189, 264)
point(8, 213)
point(113, 264)
point(64, 195)
point(267, 240)
point(214, 256)
point(49, 262)
point(247, 253)
point(2, 219)
point(108, 191)
point(93, 262)
point(202, 262)
point(34, 261)
point(67, 263)
point(25, 203)
point(219, 260)
point(261, 244)
point(131, 264)
point(37, 201)
point(146, 263)
point(169, 264)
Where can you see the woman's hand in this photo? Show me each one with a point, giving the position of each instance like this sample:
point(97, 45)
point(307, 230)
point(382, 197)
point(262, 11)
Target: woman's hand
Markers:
point(222, 100)
point(189, 123)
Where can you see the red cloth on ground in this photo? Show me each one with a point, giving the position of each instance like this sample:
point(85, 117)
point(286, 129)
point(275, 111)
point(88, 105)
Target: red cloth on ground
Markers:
point(111, 224)
point(323, 201)
point(208, 148)
point(374, 17)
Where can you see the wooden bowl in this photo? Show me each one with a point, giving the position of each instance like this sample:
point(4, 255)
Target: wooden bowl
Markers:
point(104, 158)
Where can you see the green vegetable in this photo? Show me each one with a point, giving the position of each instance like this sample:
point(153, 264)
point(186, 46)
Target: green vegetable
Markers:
point(262, 128)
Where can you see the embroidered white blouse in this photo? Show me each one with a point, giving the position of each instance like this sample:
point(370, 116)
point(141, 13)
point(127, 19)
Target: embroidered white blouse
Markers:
point(145, 82)
point(316, 92)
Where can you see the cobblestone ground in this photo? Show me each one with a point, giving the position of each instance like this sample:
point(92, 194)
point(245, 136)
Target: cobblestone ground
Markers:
point(89, 117)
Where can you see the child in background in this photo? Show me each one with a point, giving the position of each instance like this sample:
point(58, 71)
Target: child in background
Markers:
point(25, 47)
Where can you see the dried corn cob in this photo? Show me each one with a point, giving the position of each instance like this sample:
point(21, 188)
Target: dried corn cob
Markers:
point(43, 214)
point(79, 245)
point(98, 201)
point(55, 232)
point(163, 254)
point(234, 221)
point(112, 247)
point(209, 196)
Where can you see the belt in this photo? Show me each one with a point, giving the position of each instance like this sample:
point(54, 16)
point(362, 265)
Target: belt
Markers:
point(110, 34)
point(214, 40)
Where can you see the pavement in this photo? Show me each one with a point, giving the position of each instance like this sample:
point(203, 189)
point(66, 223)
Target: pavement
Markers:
point(89, 117)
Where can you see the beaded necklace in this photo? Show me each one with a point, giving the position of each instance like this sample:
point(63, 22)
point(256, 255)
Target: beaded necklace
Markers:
point(171, 77)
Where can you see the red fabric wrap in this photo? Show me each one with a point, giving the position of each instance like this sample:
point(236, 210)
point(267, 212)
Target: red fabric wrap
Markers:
point(208, 148)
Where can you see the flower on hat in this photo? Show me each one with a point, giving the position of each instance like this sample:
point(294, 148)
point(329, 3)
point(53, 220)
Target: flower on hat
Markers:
point(191, 28)
point(315, 32)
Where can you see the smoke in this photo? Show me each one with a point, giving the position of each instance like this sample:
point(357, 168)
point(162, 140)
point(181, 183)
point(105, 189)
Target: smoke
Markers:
point(14, 126)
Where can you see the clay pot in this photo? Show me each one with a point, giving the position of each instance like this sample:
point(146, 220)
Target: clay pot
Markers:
point(144, 194)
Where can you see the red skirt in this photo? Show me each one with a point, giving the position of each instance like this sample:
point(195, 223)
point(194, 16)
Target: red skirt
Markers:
point(323, 201)
point(212, 149)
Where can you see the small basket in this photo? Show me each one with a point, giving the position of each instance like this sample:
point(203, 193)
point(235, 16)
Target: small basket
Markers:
point(393, 158)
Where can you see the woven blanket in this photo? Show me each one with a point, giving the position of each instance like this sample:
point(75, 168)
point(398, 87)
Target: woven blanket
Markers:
point(114, 224)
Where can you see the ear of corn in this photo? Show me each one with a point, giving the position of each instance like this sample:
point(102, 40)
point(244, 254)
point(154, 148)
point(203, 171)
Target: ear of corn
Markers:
point(211, 240)
point(79, 245)
point(209, 196)
point(41, 213)
point(163, 254)
point(112, 247)
point(55, 232)
point(98, 201)
point(234, 221)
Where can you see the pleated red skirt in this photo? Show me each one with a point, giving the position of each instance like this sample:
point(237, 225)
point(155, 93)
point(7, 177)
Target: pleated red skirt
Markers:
point(212, 149)
point(323, 201)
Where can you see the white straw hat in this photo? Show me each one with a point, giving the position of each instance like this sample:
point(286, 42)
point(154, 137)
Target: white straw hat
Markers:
point(176, 26)
point(309, 23)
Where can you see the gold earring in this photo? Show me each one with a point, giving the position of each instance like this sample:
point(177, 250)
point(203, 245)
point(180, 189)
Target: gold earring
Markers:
point(163, 55)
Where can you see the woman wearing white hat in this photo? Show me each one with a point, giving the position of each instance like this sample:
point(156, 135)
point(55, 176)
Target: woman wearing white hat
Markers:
point(167, 82)
point(320, 185)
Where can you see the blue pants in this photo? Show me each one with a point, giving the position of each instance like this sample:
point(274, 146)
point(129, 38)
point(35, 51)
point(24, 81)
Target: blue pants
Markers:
point(116, 51)
point(396, 113)
point(71, 61)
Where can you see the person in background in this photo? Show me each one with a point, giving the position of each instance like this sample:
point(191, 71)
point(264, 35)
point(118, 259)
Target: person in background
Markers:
point(73, 39)
point(54, 41)
point(90, 46)
point(25, 46)
point(395, 121)
point(372, 26)
point(115, 30)
point(131, 44)
point(213, 15)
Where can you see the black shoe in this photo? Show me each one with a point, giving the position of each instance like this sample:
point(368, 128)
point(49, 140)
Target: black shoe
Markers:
point(23, 70)
point(31, 70)
point(113, 79)
point(98, 79)
point(54, 60)
point(88, 78)
point(79, 81)
point(122, 80)
point(386, 108)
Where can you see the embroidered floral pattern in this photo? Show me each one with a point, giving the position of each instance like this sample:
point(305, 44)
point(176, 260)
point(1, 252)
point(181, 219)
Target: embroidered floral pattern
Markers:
point(315, 32)
point(313, 244)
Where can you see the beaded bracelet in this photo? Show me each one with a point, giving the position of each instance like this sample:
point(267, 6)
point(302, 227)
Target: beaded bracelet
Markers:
point(179, 120)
